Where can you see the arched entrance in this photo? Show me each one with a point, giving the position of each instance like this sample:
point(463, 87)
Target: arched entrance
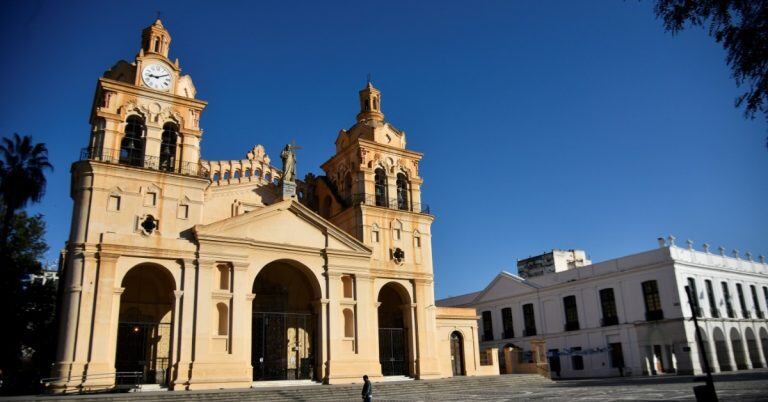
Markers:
point(393, 332)
point(764, 341)
point(284, 326)
point(738, 350)
point(752, 348)
point(704, 346)
point(145, 323)
point(721, 349)
point(457, 353)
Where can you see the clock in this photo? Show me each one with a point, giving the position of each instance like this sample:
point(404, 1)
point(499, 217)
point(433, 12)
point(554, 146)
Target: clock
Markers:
point(157, 76)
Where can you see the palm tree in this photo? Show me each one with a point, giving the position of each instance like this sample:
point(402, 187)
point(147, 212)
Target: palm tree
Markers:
point(21, 176)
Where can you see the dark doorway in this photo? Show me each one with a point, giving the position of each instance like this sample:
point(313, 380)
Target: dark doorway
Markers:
point(554, 361)
point(279, 346)
point(141, 350)
point(284, 326)
point(457, 353)
point(144, 331)
point(393, 334)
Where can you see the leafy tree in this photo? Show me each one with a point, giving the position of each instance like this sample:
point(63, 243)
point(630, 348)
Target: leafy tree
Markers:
point(26, 344)
point(742, 27)
point(22, 178)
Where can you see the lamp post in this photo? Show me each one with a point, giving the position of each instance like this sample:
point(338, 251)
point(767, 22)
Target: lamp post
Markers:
point(705, 392)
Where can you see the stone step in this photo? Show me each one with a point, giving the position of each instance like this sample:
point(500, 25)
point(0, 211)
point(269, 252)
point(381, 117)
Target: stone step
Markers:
point(394, 390)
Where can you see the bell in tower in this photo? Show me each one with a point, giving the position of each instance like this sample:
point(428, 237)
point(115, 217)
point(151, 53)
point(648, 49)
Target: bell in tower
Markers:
point(156, 39)
point(370, 104)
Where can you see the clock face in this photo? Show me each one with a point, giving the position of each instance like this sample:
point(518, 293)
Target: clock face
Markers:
point(157, 76)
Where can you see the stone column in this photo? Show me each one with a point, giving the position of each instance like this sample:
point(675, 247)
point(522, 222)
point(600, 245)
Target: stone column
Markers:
point(65, 367)
point(321, 310)
point(241, 316)
point(760, 353)
point(335, 323)
point(84, 322)
point(409, 318)
point(152, 146)
point(187, 319)
point(176, 341)
point(104, 323)
point(426, 330)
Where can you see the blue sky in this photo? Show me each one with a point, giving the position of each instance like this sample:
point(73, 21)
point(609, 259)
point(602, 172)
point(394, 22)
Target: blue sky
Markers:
point(544, 124)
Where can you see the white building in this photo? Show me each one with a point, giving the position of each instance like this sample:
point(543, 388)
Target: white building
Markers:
point(632, 312)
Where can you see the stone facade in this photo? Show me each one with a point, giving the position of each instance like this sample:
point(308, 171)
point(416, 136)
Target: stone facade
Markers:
point(198, 274)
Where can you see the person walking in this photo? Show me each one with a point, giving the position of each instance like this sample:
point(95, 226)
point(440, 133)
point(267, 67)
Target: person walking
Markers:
point(367, 389)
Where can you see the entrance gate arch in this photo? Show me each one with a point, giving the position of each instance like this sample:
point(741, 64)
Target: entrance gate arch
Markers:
point(394, 313)
point(284, 328)
point(457, 354)
point(144, 332)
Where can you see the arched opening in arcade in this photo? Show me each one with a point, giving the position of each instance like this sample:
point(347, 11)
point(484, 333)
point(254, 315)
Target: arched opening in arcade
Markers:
point(764, 341)
point(738, 350)
point(145, 324)
point(284, 327)
point(457, 354)
point(394, 315)
point(752, 348)
point(721, 350)
point(705, 348)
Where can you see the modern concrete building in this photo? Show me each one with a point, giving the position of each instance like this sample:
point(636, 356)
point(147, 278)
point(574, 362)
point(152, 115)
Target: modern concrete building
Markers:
point(631, 314)
point(553, 261)
point(202, 274)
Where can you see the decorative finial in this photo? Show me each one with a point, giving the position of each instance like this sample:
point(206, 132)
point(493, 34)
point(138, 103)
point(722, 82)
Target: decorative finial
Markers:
point(705, 246)
point(689, 242)
point(721, 249)
point(735, 253)
point(368, 79)
point(671, 240)
point(749, 256)
point(761, 258)
point(661, 241)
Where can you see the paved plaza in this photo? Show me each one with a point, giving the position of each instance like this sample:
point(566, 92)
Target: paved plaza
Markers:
point(730, 387)
point(741, 386)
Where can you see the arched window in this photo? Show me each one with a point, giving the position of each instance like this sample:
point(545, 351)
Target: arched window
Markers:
point(226, 175)
point(168, 147)
point(223, 327)
point(157, 44)
point(216, 176)
point(348, 186)
point(380, 187)
point(375, 104)
point(349, 323)
point(267, 177)
point(97, 138)
point(248, 172)
point(237, 174)
point(402, 191)
point(132, 144)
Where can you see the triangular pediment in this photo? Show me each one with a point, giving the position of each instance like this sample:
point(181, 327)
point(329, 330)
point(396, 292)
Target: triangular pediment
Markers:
point(286, 223)
point(503, 286)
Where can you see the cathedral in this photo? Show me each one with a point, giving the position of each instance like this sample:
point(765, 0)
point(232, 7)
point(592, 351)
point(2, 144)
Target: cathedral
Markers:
point(184, 273)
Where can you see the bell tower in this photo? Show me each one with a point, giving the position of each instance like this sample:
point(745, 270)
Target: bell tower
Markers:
point(156, 39)
point(370, 104)
point(372, 189)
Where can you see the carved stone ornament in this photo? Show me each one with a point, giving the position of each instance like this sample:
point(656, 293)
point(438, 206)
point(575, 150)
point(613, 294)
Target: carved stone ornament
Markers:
point(148, 224)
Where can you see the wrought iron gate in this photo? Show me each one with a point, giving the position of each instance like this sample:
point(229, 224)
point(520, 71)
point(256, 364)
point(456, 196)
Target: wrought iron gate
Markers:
point(393, 352)
point(146, 348)
point(282, 346)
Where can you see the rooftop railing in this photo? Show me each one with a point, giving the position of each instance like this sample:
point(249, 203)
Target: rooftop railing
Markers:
point(391, 203)
point(139, 160)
